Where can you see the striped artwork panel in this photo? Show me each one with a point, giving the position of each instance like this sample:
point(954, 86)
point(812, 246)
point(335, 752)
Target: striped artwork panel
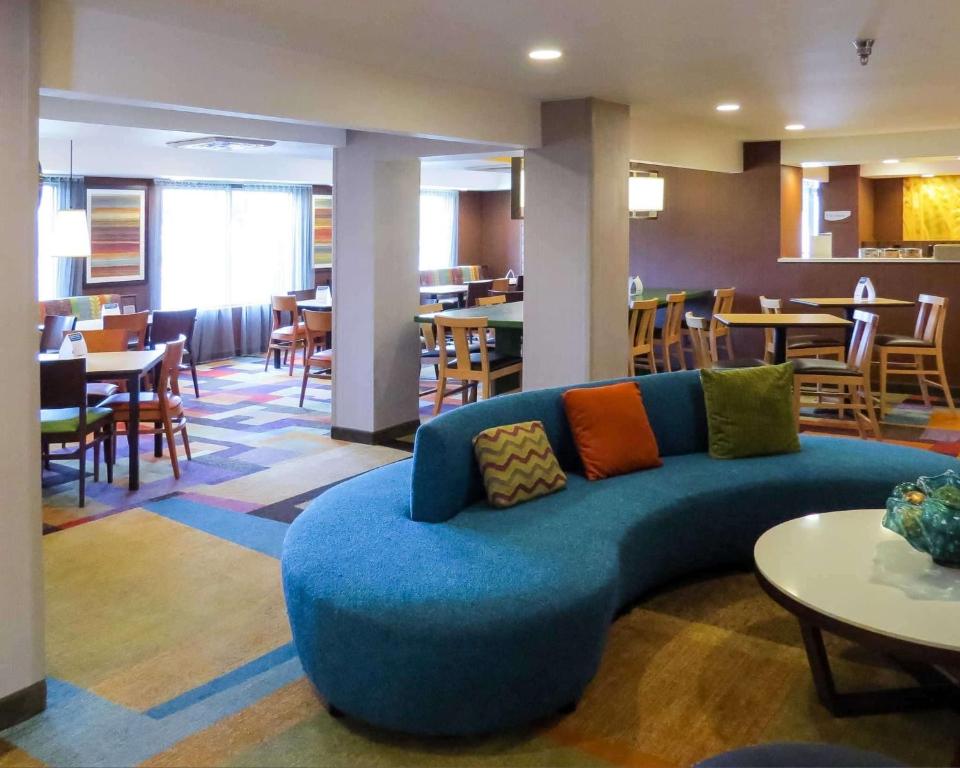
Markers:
point(517, 463)
point(322, 230)
point(116, 235)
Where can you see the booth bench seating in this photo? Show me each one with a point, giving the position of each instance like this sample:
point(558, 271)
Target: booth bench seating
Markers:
point(451, 275)
point(417, 607)
point(82, 307)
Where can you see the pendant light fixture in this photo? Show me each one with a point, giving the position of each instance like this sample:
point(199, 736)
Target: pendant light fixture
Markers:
point(71, 233)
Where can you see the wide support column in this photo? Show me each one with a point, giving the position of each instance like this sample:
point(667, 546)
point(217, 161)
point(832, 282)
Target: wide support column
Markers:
point(576, 245)
point(376, 209)
point(22, 687)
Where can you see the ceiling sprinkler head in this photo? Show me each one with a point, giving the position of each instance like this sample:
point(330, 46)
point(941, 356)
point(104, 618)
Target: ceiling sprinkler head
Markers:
point(864, 49)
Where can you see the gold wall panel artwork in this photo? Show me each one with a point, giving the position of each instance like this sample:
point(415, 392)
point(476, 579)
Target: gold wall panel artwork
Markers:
point(931, 208)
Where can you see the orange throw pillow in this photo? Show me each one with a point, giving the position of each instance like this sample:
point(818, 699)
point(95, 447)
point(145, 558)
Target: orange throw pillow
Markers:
point(611, 430)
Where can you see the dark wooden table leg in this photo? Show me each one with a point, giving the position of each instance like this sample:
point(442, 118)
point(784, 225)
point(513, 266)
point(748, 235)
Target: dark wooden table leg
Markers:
point(820, 667)
point(276, 358)
point(779, 344)
point(133, 430)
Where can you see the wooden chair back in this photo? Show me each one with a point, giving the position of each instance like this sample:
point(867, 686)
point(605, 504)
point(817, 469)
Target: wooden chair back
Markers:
point(673, 318)
point(135, 323)
point(428, 333)
point(63, 383)
point(700, 338)
point(280, 306)
point(860, 352)
point(169, 379)
point(520, 283)
point(319, 325)
point(509, 295)
point(167, 326)
point(500, 284)
point(931, 317)
point(770, 307)
point(643, 315)
point(722, 302)
point(461, 330)
point(54, 327)
point(486, 301)
point(476, 289)
point(108, 340)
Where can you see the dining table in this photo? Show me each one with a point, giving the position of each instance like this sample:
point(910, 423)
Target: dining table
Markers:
point(780, 323)
point(849, 305)
point(127, 366)
point(436, 291)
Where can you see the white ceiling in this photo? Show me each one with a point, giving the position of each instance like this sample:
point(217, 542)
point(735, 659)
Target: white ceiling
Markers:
point(783, 60)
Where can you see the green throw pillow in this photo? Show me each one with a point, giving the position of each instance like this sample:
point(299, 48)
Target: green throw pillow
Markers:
point(750, 411)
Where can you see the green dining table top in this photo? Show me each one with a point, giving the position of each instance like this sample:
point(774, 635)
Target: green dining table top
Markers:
point(510, 315)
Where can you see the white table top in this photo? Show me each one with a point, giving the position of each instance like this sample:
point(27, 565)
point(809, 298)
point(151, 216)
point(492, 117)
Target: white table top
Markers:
point(441, 290)
point(118, 363)
point(847, 566)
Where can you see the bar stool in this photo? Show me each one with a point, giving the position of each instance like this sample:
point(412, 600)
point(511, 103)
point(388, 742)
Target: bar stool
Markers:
point(926, 342)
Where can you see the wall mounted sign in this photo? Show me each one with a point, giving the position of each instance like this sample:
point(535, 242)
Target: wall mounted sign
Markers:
point(836, 215)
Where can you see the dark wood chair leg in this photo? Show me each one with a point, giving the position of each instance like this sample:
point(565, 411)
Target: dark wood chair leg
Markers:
point(193, 375)
point(108, 451)
point(158, 439)
point(96, 460)
point(83, 473)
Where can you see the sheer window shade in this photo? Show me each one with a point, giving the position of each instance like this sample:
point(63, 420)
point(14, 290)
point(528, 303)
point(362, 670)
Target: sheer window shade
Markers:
point(439, 211)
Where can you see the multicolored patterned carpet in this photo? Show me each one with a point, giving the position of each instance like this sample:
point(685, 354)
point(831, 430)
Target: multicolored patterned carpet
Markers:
point(168, 644)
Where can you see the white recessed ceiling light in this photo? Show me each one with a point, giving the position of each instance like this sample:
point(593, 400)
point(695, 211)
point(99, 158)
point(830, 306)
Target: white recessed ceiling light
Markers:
point(545, 54)
point(812, 164)
point(794, 127)
point(928, 175)
point(728, 107)
point(891, 161)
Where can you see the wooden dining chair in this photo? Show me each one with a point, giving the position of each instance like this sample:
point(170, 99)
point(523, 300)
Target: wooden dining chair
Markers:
point(285, 337)
point(703, 350)
point(500, 284)
point(471, 369)
point(640, 324)
point(169, 326)
point(136, 323)
point(849, 381)
point(510, 296)
point(318, 361)
point(797, 346)
point(54, 328)
point(671, 335)
point(475, 290)
point(66, 418)
point(722, 302)
point(113, 340)
point(487, 301)
point(926, 343)
point(161, 410)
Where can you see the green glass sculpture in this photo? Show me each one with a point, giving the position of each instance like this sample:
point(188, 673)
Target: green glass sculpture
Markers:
point(927, 514)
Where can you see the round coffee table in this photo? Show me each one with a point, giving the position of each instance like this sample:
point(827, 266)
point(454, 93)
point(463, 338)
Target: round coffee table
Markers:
point(842, 572)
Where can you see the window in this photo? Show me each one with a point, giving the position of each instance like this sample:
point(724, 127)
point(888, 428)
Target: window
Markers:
point(439, 210)
point(46, 264)
point(227, 246)
point(810, 217)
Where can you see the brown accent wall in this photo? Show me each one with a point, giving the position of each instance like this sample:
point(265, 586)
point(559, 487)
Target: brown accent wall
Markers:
point(888, 210)
point(721, 229)
point(842, 193)
point(487, 235)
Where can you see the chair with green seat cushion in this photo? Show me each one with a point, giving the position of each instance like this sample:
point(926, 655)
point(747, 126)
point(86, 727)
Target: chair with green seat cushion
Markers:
point(65, 418)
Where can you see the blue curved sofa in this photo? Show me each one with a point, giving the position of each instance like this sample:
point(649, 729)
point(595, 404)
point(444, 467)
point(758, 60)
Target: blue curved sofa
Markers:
point(417, 607)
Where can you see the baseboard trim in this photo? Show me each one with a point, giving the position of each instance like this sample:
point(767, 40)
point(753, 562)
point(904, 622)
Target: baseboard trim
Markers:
point(380, 437)
point(23, 704)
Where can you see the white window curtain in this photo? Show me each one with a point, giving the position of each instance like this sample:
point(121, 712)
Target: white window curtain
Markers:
point(439, 211)
point(226, 249)
point(810, 216)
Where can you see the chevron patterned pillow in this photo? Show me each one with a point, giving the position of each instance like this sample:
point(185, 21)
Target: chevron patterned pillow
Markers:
point(517, 463)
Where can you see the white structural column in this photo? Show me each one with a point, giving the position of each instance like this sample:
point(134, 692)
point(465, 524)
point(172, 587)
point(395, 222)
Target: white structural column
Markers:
point(21, 576)
point(376, 209)
point(576, 245)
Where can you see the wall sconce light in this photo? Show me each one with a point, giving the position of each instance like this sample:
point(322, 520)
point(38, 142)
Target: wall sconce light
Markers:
point(644, 193)
point(516, 188)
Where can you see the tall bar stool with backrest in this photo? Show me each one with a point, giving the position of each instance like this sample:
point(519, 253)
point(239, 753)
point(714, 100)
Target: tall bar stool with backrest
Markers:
point(286, 338)
point(797, 346)
point(851, 378)
point(171, 325)
point(54, 327)
point(136, 323)
point(319, 357)
point(469, 368)
point(65, 417)
point(671, 335)
point(722, 302)
point(703, 350)
point(163, 408)
point(640, 323)
point(926, 342)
